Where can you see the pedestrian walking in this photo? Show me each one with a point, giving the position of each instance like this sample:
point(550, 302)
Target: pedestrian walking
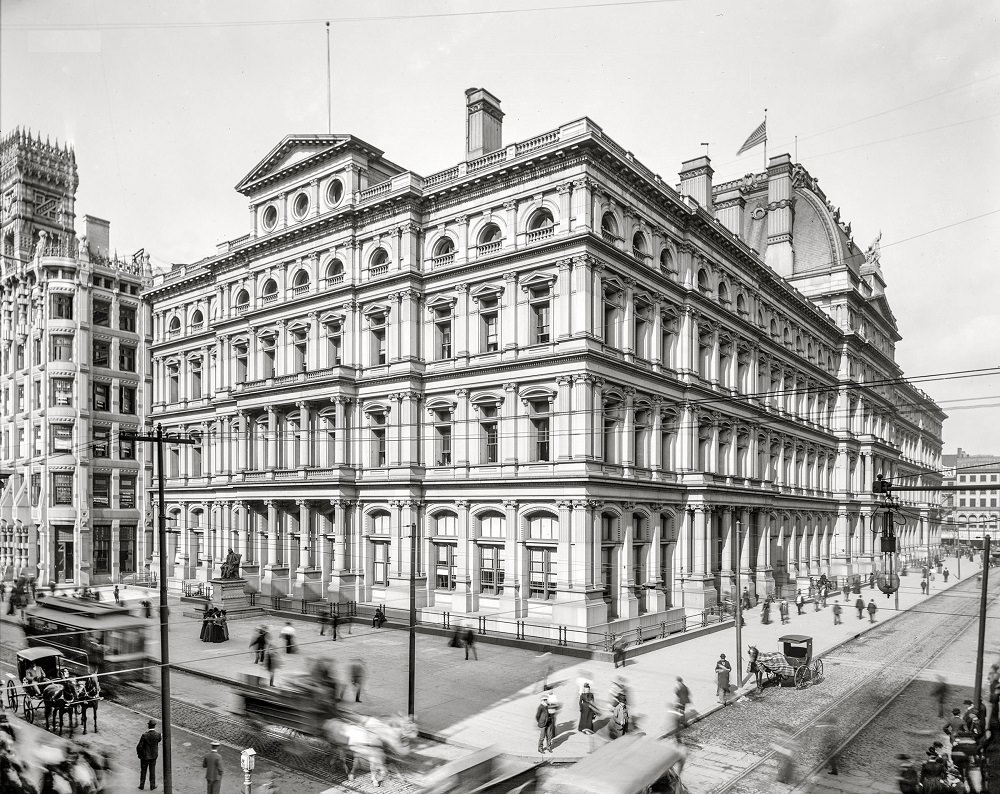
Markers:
point(357, 678)
point(722, 671)
point(118, 598)
point(148, 750)
point(543, 719)
point(923, 587)
point(212, 764)
point(469, 641)
point(800, 601)
point(259, 644)
point(588, 710)
point(837, 610)
point(783, 611)
point(945, 574)
point(288, 635)
point(829, 743)
point(940, 693)
point(3, 591)
point(765, 612)
point(271, 664)
point(682, 699)
point(619, 724)
point(784, 747)
point(816, 599)
point(618, 654)
point(746, 599)
point(872, 609)
point(860, 606)
point(324, 620)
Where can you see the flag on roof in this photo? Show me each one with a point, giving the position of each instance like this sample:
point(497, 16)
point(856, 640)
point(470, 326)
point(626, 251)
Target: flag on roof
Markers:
point(757, 137)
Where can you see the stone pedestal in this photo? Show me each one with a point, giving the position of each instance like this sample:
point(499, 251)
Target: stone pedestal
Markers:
point(308, 584)
point(274, 581)
point(699, 594)
point(230, 594)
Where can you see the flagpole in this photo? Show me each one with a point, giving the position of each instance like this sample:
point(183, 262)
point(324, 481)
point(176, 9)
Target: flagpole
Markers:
point(765, 139)
point(329, 87)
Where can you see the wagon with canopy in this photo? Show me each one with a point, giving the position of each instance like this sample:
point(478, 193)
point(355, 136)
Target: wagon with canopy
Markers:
point(793, 664)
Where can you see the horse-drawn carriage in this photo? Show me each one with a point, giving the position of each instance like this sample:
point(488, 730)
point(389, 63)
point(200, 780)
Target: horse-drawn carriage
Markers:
point(307, 711)
point(45, 683)
point(794, 663)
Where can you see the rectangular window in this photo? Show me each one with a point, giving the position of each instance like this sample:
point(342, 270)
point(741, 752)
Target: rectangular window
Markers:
point(126, 319)
point(489, 313)
point(126, 548)
point(101, 490)
point(126, 447)
point(489, 434)
point(36, 394)
point(491, 572)
point(101, 314)
point(36, 489)
point(195, 380)
point(379, 349)
point(267, 357)
point(36, 350)
point(380, 559)
point(541, 573)
point(540, 315)
point(126, 358)
point(62, 392)
point(126, 404)
point(607, 571)
point(102, 549)
point(62, 438)
point(334, 345)
point(442, 330)
point(38, 441)
point(445, 566)
point(20, 357)
point(62, 307)
point(102, 442)
point(442, 443)
point(102, 353)
point(126, 492)
point(241, 364)
point(540, 430)
point(62, 488)
point(102, 397)
point(62, 347)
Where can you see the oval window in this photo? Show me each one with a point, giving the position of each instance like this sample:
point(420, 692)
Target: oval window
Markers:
point(270, 218)
point(334, 192)
point(301, 205)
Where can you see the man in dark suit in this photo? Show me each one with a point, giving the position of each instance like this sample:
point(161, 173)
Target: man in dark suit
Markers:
point(213, 769)
point(148, 750)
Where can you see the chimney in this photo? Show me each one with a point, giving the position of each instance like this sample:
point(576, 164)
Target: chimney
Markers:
point(483, 123)
point(780, 255)
point(696, 181)
point(98, 235)
point(729, 208)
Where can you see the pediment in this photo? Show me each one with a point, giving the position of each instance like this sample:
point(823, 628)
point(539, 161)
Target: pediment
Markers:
point(296, 152)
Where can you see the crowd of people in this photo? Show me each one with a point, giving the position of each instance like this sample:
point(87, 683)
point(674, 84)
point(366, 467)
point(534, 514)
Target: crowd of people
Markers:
point(69, 767)
point(590, 719)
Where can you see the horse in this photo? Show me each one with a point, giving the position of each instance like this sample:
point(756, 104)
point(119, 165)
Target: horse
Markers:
point(88, 695)
point(375, 740)
point(58, 697)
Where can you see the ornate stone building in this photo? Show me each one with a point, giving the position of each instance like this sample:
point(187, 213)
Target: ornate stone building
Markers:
point(72, 375)
point(588, 396)
point(973, 511)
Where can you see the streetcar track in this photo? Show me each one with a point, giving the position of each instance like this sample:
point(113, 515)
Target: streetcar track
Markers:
point(877, 673)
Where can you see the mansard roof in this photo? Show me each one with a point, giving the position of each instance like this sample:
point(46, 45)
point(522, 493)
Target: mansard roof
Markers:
point(298, 152)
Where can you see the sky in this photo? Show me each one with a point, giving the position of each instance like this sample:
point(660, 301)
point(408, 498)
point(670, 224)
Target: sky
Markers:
point(894, 106)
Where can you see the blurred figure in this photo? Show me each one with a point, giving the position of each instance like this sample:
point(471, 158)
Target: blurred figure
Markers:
point(288, 635)
point(469, 640)
point(682, 699)
point(829, 742)
point(784, 748)
point(544, 661)
point(271, 664)
point(259, 644)
point(357, 678)
point(908, 777)
point(940, 693)
point(588, 710)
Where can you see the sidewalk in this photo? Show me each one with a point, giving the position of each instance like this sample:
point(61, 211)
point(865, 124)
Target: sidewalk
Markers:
point(492, 701)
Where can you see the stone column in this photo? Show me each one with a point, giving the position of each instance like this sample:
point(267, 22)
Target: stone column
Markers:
point(563, 300)
point(509, 426)
point(514, 601)
point(765, 573)
point(465, 597)
point(508, 313)
point(728, 560)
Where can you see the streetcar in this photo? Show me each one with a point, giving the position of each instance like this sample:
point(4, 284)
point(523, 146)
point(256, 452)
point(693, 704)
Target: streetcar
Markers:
point(106, 636)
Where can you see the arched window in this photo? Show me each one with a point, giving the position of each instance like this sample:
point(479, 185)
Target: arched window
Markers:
point(724, 293)
point(741, 304)
point(667, 263)
point(490, 238)
point(242, 300)
point(444, 247)
point(639, 246)
point(197, 319)
point(270, 291)
point(609, 227)
point(540, 225)
point(380, 259)
point(704, 285)
point(175, 326)
point(335, 272)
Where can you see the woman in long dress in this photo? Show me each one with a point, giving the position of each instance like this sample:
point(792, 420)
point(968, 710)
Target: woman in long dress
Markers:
point(588, 708)
point(206, 625)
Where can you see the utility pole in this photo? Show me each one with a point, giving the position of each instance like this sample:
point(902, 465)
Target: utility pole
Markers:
point(737, 597)
point(982, 624)
point(158, 439)
point(411, 683)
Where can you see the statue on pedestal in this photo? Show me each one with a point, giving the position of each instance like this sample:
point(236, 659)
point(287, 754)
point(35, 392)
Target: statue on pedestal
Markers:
point(231, 567)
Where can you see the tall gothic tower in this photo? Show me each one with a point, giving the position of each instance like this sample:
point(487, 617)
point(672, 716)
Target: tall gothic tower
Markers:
point(38, 182)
